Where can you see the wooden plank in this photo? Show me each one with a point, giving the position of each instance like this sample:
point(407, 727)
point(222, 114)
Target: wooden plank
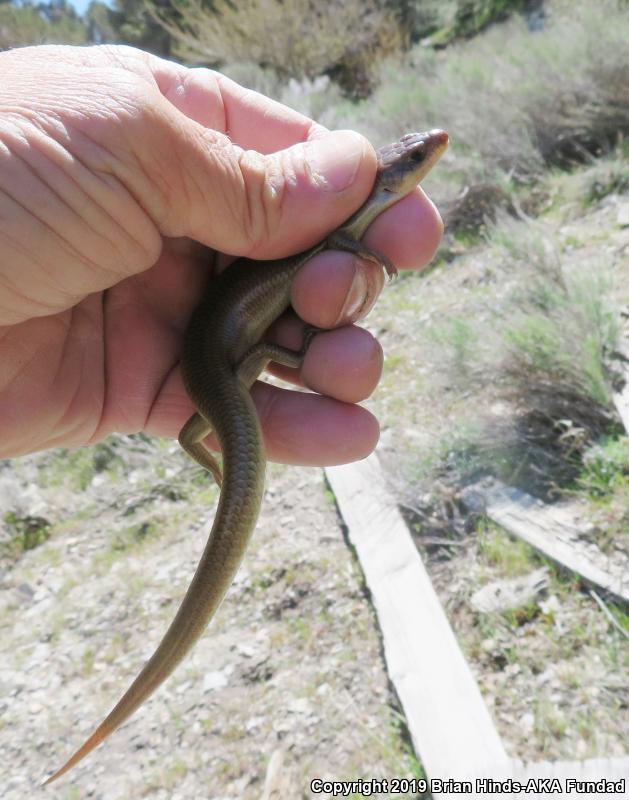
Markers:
point(279, 782)
point(509, 593)
point(550, 779)
point(449, 723)
point(594, 769)
point(621, 401)
point(621, 371)
point(554, 531)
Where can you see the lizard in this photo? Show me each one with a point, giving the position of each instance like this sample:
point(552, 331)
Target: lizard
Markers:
point(223, 354)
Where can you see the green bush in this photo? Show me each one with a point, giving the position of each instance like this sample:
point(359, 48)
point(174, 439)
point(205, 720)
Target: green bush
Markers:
point(296, 38)
point(515, 102)
point(51, 23)
point(604, 465)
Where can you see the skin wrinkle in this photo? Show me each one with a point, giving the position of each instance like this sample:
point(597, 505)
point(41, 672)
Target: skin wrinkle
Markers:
point(62, 241)
point(69, 340)
point(40, 308)
point(54, 283)
point(19, 366)
point(239, 202)
point(288, 173)
point(120, 58)
point(106, 177)
point(224, 124)
point(23, 367)
point(194, 179)
point(104, 366)
point(106, 362)
point(142, 247)
point(124, 114)
point(61, 372)
point(126, 121)
point(69, 247)
point(191, 180)
point(133, 172)
point(43, 265)
point(269, 190)
point(259, 223)
point(85, 187)
point(118, 313)
point(276, 182)
point(158, 395)
point(172, 86)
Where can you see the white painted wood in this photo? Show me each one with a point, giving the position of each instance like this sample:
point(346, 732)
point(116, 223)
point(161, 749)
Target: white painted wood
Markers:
point(450, 726)
point(621, 397)
point(594, 769)
point(554, 531)
point(449, 723)
point(508, 593)
point(279, 782)
point(537, 780)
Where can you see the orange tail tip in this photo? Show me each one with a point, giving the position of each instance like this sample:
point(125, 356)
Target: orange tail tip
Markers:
point(90, 744)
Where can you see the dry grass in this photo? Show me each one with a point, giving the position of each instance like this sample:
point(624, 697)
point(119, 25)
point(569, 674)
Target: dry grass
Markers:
point(514, 102)
point(27, 24)
point(542, 346)
point(296, 38)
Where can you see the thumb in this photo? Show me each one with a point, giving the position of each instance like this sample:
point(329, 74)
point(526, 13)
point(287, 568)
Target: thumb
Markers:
point(246, 203)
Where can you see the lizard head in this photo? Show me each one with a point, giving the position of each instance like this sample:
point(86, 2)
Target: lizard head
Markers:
point(403, 164)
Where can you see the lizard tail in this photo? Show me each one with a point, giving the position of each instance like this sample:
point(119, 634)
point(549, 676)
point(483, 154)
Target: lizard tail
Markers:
point(238, 508)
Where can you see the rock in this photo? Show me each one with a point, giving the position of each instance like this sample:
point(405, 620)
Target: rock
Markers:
point(527, 721)
point(300, 705)
point(622, 217)
point(502, 595)
point(214, 680)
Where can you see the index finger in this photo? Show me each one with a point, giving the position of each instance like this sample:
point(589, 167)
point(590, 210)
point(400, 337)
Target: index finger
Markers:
point(250, 119)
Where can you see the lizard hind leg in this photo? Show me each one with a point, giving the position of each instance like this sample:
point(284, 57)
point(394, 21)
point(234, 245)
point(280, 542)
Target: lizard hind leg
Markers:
point(191, 439)
point(248, 369)
point(256, 359)
point(341, 240)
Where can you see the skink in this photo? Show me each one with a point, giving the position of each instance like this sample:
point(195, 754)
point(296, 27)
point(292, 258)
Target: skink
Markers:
point(222, 356)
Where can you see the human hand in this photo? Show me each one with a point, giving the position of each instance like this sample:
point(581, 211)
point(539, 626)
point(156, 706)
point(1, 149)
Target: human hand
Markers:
point(118, 170)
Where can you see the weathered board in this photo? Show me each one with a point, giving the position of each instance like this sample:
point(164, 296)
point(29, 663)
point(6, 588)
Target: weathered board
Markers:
point(554, 530)
point(621, 396)
point(452, 731)
point(448, 720)
point(550, 779)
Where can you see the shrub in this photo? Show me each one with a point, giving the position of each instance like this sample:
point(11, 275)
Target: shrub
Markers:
point(514, 102)
point(53, 23)
point(297, 38)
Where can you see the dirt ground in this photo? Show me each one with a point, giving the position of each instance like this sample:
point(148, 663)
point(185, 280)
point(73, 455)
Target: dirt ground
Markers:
point(292, 659)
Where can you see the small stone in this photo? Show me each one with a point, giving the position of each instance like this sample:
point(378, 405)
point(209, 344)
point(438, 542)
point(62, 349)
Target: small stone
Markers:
point(551, 605)
point(527, 721)
point(252, 723)
point(300, 706)
point(623, 215)
point(214, 680)
point(26, 590)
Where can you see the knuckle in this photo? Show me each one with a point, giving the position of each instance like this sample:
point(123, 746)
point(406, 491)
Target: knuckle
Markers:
point(262, 198)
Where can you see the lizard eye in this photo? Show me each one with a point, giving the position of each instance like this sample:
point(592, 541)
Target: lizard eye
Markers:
point(418, 155)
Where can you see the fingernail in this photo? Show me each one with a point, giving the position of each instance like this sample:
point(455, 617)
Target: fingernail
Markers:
point(357, 297)
point(334, 159)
